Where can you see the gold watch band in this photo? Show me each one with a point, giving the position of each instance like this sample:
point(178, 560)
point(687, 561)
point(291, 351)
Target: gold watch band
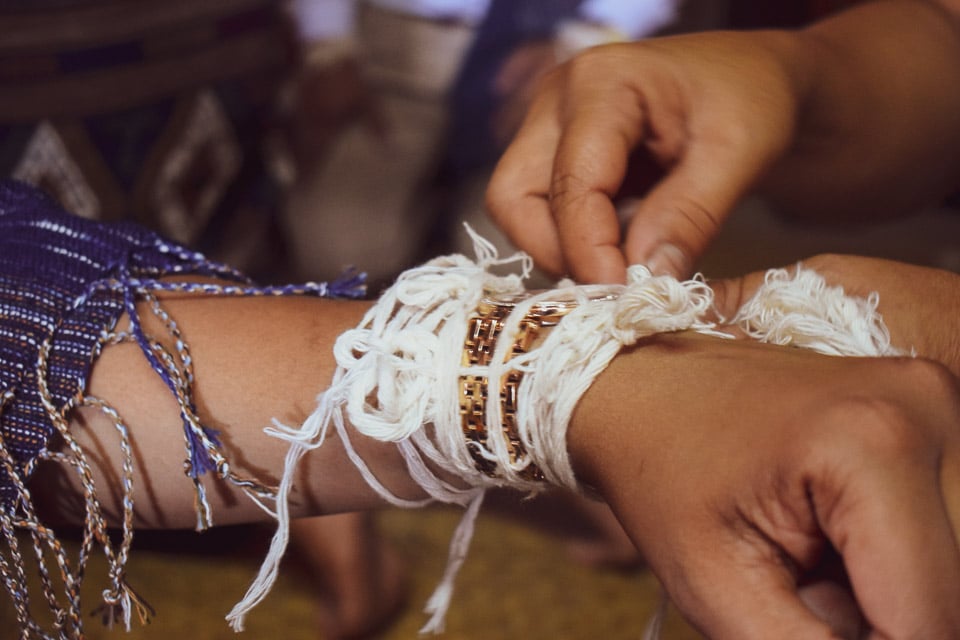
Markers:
point(483, 330)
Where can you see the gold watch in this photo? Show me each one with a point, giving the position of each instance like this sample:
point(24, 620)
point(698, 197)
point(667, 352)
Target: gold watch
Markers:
point(483, 330)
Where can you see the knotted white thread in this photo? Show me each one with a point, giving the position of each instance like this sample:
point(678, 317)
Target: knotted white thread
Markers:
point(578, 349)
point(803, 311)
point(398, 373)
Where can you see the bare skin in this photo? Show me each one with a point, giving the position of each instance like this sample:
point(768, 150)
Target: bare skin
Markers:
point(920, 305)
point(732, 498)
point(248, 374)
point(852, 118)
point(753, 483)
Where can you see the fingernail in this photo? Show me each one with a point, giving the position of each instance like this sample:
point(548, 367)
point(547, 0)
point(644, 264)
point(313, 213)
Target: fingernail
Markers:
point(668, 260)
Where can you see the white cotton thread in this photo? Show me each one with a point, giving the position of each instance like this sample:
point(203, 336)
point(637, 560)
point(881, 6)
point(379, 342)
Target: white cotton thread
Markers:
point(397, 350)
point(803, 311)
point(398, 373)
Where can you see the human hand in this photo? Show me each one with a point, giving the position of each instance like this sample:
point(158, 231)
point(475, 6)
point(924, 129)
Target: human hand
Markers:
point(919, 305)
point(746, 472)
point(709, 111)
point(829, 122)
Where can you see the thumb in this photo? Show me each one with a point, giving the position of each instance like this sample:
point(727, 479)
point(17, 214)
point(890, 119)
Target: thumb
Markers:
point(673, 225)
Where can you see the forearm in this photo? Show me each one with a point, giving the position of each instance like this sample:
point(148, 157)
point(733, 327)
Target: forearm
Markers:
point(880, 112)
point(256, 359)
point(260, 358)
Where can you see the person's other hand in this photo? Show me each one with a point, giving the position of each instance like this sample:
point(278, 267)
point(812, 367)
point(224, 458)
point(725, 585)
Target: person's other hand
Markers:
point(762, 483)
point(707, 113)
point(920, 305)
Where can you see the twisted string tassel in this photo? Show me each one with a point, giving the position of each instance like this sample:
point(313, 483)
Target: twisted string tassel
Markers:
point(120, 602)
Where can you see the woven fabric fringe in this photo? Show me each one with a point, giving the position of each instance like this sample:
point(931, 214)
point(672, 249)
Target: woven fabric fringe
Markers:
point(398, 372)
point(64, 284)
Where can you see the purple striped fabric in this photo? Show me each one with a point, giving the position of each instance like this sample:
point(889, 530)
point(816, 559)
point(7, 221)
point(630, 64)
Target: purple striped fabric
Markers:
point(66, 279)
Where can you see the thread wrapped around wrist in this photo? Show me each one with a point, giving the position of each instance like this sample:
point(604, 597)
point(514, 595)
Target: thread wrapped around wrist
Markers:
point(477, 390)
point(474, 377)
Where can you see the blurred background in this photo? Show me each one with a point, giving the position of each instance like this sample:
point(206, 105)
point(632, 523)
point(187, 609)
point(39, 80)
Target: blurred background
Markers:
point(297, 139)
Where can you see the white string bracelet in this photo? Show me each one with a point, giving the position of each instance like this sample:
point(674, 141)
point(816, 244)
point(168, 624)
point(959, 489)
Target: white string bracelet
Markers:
point(803, 311)
point(470, 374)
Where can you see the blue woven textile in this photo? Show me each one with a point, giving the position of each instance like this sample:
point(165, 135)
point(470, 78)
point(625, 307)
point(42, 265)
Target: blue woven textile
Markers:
point(65, 283)
point(49, 264)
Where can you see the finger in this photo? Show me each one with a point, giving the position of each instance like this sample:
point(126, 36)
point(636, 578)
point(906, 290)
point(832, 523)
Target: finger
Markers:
point(517, 194)
point(599, 134)
point(745, 592)
point(678, 219)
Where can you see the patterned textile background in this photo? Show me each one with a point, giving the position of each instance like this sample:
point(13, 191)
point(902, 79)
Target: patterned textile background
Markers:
point(155, 111)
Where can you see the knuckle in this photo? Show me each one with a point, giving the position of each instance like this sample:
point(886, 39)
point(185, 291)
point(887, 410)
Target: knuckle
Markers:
point(873, 429)
point(585, 64)
point(884, 431)
point(926, 375)
point(504, 195)
point(567, 192)
point(496, 199)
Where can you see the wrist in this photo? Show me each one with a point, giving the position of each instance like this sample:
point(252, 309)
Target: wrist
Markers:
point(484, 383)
